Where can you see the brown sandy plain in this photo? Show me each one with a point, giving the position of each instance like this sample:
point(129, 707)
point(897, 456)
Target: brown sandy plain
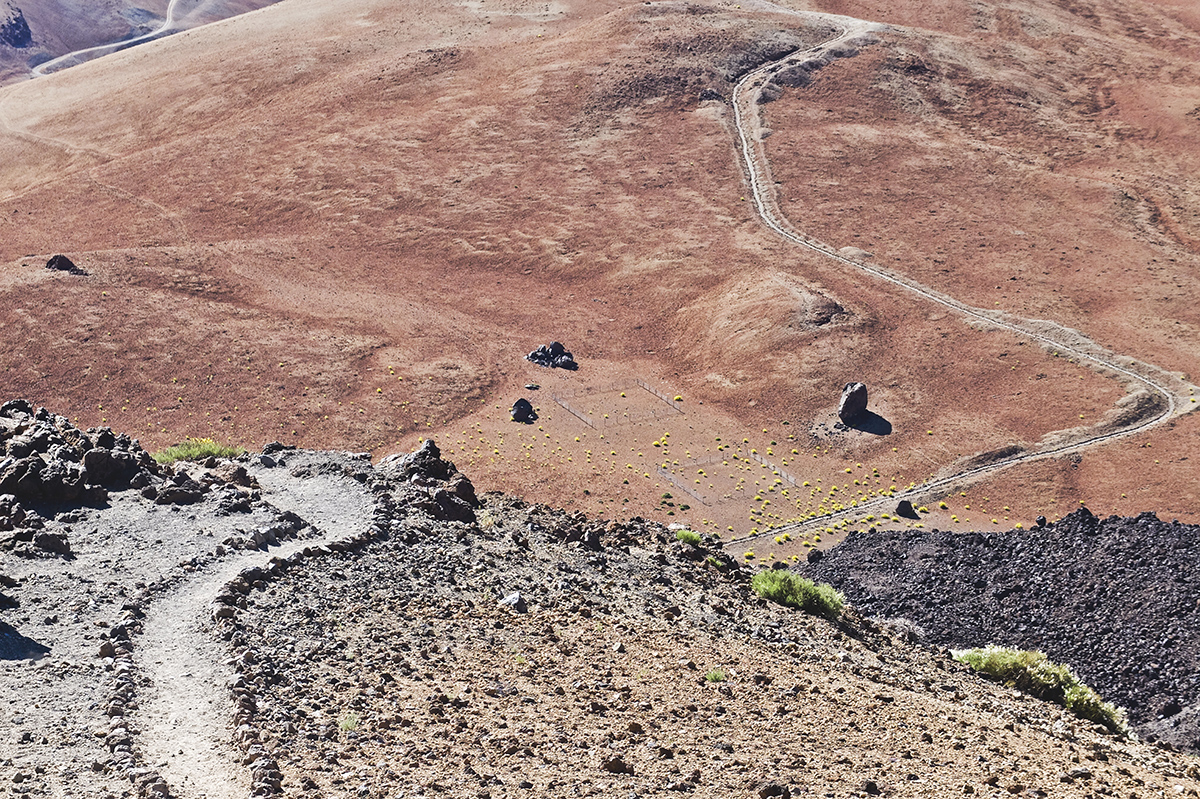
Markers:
point(343, 227)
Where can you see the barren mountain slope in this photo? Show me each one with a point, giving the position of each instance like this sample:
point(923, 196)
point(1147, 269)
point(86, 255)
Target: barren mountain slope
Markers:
point(345, 228)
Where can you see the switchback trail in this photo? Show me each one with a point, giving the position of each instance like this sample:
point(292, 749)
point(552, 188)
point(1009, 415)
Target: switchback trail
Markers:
point(1167, 389)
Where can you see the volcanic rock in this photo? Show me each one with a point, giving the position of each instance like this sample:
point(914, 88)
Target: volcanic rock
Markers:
point(1111, 598)
point(425, 463)
point(522, 411)
point(853, 402)
point(14, 31)
point(61, 263)
point(553, 354)
point(179, 490)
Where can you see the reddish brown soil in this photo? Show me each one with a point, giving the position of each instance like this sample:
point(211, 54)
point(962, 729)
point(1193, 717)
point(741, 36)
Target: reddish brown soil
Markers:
point(345, 229)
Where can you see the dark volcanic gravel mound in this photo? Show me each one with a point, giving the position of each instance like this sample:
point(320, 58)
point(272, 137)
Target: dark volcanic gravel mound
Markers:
point(1118, 599)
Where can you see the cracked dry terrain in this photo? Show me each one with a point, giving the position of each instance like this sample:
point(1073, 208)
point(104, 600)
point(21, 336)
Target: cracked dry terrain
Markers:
point(410, 639)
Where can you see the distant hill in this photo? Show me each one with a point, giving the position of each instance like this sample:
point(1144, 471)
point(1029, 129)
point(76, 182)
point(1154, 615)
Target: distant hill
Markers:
point(35, 31)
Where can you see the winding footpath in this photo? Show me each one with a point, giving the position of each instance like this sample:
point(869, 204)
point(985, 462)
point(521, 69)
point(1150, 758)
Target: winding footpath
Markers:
point(184, 714)
point(1169, 391)
point(42, 70)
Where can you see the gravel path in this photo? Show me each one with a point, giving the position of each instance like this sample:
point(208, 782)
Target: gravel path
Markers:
point(186, 712)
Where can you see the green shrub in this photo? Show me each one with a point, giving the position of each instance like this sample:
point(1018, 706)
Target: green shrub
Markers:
point(688, 537)
point(348, 722)
point(1033, 673)
point(786, 588)
point(716, 675)
point(196, 449)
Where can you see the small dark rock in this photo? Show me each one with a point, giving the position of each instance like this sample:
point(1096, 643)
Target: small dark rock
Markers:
point(515, 601)
point(523, 412)
point(617, 765)
point(53, 542)
point(61, 263)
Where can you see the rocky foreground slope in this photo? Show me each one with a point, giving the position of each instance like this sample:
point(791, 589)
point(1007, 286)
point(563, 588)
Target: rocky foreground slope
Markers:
point(307, 624)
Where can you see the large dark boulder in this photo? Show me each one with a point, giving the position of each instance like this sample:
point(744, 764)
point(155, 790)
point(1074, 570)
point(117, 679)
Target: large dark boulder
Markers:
point(853, 403)
point(179, 490)
point(426, 463)
point(109, 468)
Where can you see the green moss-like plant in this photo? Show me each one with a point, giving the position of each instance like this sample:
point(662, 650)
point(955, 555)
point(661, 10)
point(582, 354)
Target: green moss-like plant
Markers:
point(1033, 673)
point(716, 675)
point(196, 449)
point(785, 588)
point(688, 537)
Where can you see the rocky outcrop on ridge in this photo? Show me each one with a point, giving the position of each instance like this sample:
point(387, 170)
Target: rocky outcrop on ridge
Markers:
point(1117, 599)
point(14, 30)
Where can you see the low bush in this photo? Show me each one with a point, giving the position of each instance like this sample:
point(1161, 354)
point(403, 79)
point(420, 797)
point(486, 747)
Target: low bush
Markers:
point(1033, 673)
point(196, 449)
point(688, 537)
point(786, 588)
point(716, 675)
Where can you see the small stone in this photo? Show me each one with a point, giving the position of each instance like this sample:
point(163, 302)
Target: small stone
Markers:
point(616, 765)
point(523, 412)
point(774, 789)
point(515, 601)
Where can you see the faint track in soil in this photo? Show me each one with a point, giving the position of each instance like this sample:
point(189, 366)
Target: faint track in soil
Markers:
point(1168, 388)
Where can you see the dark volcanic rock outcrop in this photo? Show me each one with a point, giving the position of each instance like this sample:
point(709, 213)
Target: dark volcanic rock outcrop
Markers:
point(853, 402)
point(553, 354)
point(1117, 599)
point(451, 495)
point(14, 30)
